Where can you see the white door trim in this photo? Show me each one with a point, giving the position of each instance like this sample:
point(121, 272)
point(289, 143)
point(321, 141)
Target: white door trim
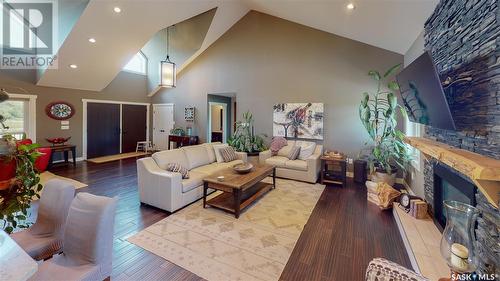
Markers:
point(121, 103)
point(224, 121)
point(31, 133)
point(155, 105)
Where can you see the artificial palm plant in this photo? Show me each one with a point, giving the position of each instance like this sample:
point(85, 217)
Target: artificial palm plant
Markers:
point(378, 112)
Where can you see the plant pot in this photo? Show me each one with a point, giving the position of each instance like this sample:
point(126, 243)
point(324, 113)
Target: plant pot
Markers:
point(7, 169)
point(390, 179)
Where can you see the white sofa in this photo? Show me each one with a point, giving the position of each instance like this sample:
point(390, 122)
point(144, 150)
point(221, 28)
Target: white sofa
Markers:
point(167, 190)
point(303, 170)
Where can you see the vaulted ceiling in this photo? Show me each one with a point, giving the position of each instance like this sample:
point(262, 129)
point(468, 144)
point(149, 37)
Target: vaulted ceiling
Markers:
point(392, 25)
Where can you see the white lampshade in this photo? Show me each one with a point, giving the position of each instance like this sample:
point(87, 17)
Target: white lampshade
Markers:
point(167, 74)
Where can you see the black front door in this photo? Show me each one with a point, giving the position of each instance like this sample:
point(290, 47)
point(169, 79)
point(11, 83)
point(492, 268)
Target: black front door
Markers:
point(134, 124)
point(103, 129)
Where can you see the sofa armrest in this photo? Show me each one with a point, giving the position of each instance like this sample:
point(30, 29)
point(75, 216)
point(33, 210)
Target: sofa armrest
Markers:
point(242, 156)
point(382, 269)
point(264, 155)
point(158, 187)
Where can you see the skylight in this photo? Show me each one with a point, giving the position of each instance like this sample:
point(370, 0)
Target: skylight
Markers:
point(138, 64)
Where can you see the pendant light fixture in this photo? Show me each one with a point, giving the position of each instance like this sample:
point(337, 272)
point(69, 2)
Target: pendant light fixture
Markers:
point(167, 69)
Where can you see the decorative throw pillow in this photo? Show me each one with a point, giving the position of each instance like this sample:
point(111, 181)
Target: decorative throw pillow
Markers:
point(217, 149)
point(276, 144)
point(228, 154)
point(306, 149)
point(177, 168)
point(294, 153)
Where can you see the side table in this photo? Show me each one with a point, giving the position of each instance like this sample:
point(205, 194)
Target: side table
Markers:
point(65, 149)
point(333, 170)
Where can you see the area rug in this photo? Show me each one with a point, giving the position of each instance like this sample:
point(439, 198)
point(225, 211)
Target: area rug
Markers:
point(216, 246)
point(115, 157)
point(46, 176)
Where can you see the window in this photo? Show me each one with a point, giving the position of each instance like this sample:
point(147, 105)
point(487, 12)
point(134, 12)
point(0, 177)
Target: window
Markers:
point(138, 64)
point(414, 130)
point(19, 113)
point(14, 112)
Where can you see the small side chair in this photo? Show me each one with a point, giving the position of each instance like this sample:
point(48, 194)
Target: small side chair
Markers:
point(87, 244)
point(45, 238)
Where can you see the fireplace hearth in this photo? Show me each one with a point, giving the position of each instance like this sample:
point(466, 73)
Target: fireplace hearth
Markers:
point(450, 185)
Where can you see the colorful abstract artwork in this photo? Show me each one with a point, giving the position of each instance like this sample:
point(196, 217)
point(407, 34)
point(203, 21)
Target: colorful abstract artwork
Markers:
point(298, 120)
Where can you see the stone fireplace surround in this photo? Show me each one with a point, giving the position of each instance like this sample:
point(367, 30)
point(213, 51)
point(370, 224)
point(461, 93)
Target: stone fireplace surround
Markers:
point(463, 37)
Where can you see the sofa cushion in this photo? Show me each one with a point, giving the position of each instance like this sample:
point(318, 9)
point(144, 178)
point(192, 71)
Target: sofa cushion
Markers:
point(195, 180)
point(197, 155)
point(300, 165)
point(231, 164)
point(278, 161)
point(306, 149)
point(163, 158)
point(217, 148)
point(210, 150)
point(210, 169)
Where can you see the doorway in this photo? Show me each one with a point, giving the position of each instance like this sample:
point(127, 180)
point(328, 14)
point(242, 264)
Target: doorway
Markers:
point(113, 127)
point(163, 122)
point(220, 108)
point(217, 122)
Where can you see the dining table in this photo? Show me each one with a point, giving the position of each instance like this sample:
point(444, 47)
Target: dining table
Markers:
point(15, 263)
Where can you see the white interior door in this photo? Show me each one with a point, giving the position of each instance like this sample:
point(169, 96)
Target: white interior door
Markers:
point(163, 122)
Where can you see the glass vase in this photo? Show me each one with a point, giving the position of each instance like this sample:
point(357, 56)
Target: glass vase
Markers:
point(457, 243)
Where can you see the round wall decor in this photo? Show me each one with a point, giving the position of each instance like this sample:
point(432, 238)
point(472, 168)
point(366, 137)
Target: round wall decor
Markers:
point(60, 110)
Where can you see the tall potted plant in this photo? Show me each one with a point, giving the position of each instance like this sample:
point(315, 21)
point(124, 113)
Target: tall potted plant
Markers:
point(244, 138)
point(16, 193)
point(378, 112)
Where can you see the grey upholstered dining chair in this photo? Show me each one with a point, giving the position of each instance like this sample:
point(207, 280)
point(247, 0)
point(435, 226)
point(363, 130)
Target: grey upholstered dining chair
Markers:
point(87, 243)
point(44, 238)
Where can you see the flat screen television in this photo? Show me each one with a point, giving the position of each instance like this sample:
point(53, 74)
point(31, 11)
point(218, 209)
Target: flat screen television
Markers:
point(422, 95)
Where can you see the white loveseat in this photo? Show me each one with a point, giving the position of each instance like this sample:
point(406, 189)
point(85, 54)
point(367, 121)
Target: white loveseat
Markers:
point(306, 169)
point(167, 190)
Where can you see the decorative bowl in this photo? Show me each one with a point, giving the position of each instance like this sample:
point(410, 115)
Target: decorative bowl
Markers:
point(243, 168)
point(220, 178)
point(55, 141)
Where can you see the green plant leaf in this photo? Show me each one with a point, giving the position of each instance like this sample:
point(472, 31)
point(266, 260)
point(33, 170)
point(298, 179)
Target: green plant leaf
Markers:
point(391, 71)
point(393, 85)
point(375, 74)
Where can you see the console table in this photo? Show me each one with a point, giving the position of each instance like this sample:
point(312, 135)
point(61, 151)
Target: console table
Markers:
point(182, 140)
point(65, 149)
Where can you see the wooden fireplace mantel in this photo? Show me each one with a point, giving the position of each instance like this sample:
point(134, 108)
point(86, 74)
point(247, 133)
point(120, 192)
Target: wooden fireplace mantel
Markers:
point(483, 171)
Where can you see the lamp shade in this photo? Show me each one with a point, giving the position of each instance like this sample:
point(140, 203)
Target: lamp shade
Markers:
point(167, 73)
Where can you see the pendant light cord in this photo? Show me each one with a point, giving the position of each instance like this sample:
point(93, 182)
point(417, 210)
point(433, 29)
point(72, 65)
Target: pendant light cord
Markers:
point(168, 47)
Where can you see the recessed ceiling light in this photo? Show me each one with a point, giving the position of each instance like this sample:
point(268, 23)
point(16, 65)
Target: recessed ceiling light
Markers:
point(92, 40)
point(350, 6)
point(117, 9)
point(73, 66)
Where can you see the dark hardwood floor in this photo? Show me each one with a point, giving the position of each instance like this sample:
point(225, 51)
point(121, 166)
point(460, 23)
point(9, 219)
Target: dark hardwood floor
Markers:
point(342, 235)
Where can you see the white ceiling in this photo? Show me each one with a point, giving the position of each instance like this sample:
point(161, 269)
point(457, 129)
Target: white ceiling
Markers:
point(388, 24)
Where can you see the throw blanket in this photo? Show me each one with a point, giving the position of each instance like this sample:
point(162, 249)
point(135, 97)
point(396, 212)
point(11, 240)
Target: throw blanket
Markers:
point(276, 144)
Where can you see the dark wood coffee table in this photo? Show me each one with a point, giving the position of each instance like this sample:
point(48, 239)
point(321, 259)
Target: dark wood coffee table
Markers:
point(239, 190)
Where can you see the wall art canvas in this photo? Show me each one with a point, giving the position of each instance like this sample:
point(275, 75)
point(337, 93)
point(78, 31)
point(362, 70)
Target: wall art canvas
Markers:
point(298, 120)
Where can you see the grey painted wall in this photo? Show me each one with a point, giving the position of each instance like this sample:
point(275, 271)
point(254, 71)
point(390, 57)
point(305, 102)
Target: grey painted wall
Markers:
point(125, 87)
point(267, 60)
point(185, 39)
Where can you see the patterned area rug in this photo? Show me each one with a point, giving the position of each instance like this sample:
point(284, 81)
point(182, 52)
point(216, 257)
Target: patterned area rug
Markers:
point(216, 246)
